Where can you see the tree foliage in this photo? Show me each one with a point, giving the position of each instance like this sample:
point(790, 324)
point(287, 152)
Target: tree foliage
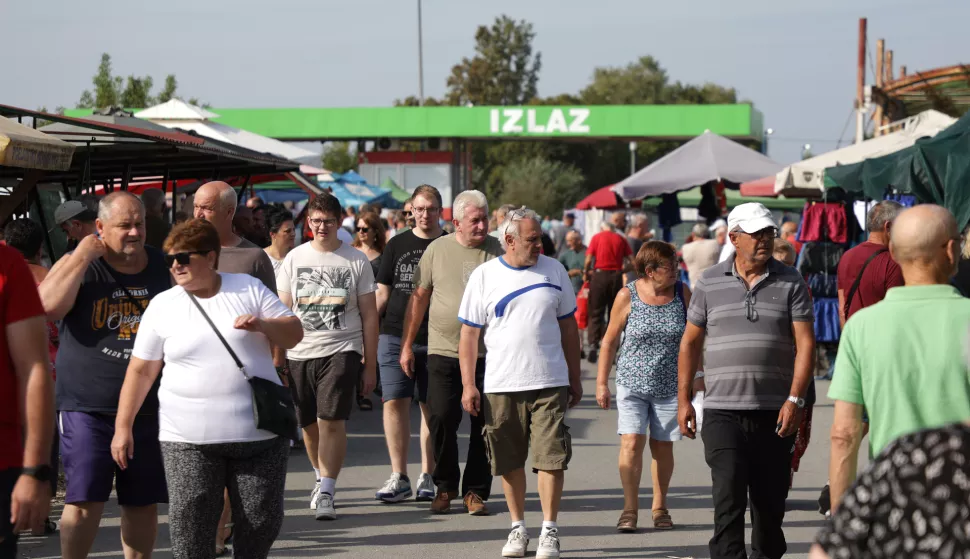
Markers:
point(504, 70)
point(546, 186)
point(338, 157)
point(132, 92)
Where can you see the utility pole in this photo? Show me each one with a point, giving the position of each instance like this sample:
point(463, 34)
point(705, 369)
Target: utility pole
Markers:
point(860, 101)
point(420, 61)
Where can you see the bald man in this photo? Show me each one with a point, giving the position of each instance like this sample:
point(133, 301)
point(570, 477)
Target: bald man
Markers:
point(902, 359)
point(216, 202)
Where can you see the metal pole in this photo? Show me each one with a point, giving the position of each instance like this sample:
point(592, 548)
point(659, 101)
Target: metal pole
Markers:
point(860, 84)
point(420, 61)
point(880, 72)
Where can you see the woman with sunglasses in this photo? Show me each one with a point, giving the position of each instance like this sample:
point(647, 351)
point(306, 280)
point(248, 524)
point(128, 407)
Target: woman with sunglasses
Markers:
point(207, 429)
point(371, 240)
point(282, 234)
point(651, 315)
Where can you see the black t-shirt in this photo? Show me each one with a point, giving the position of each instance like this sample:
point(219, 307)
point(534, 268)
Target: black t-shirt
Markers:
point(399, 263)
point(98, 333)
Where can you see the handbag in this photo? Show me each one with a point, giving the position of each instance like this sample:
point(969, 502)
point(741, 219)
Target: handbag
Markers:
point(273, 407)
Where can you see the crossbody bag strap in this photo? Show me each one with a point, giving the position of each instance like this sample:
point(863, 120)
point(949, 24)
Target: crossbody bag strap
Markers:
point(858, 280)
point(219, 334)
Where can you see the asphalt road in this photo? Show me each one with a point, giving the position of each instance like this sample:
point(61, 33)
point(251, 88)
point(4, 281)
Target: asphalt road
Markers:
point(590, 507)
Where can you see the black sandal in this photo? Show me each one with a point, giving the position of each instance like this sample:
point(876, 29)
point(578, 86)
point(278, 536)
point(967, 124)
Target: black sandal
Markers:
point(365, 404)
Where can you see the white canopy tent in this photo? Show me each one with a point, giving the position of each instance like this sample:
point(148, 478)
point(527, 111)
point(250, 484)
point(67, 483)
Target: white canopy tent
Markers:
point(810, 173)
point(183, 116)
point(708, 157)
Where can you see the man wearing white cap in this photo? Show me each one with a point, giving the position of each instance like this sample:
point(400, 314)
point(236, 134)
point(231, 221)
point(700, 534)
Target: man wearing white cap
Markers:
point(756, 317)
point(75, 219)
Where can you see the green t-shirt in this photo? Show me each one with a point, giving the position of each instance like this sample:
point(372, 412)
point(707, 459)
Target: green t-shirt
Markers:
point(574, 260)
point(904, 360)
point(444, 269)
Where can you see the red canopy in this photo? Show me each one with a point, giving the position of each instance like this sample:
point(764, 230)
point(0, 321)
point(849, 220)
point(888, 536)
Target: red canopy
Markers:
point(762, 187)
point(604, 199)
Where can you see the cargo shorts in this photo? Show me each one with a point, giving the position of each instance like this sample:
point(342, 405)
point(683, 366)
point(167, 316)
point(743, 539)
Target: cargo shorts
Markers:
point(518, 421)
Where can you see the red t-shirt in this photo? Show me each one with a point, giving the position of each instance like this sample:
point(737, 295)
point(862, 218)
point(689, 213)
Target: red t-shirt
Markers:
point(18, 301)
point(880, 275)
point(609, 249)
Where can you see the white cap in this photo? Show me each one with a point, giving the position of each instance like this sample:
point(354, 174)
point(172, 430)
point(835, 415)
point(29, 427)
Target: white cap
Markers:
point(751, 218)
point(718, 224)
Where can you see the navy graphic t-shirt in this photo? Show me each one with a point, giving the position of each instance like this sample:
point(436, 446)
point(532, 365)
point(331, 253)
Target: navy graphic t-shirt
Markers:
point(398, 266)
point(98, 333)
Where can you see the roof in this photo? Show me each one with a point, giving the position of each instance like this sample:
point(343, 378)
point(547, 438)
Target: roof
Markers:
point(26, 148)
point(175, 109)
point(945, 89)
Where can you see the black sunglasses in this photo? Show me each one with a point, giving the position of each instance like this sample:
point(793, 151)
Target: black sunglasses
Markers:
point(363, 229)
point(183, 258)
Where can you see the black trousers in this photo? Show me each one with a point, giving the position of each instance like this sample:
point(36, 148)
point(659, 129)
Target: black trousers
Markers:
point(445, 411)
point(602, 292)
point(747, 457)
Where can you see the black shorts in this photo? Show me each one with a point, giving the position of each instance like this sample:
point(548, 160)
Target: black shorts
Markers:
point(325, 387)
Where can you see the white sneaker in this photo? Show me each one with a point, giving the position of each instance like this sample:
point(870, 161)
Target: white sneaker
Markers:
point(548, 545)
point(325, 508)
point(517, 545)
point(395, 489)
point(314, 495)
point(426, 488)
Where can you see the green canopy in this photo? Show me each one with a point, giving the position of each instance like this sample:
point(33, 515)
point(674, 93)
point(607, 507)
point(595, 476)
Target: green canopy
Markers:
point(691, 198)
point(935, 170)
point(397, 192)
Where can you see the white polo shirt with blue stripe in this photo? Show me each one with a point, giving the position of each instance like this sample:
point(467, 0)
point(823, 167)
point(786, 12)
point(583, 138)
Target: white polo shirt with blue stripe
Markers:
point(520, 310)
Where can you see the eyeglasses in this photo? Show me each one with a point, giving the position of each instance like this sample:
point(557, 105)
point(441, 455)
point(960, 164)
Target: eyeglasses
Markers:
point(421, 211)
point(764, 234)
point(363, 229)
point(749, 311)
point(183, 258)
point(319, 222)
point(407, 213)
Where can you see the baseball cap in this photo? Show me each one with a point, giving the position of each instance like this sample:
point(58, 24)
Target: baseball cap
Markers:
point(73, 209)
point(751, 218)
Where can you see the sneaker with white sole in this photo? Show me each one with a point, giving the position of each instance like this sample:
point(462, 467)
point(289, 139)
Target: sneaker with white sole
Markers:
point(517, 545)
point(314, 495)
point(395, 489)
point(426, 488)
point(325, 508)
point(548, 545)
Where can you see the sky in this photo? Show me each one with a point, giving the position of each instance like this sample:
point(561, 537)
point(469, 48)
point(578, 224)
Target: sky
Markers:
point(794, 59)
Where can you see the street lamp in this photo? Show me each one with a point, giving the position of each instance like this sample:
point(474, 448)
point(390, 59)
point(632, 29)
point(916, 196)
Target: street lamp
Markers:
point(764, 141)
point(633, 157)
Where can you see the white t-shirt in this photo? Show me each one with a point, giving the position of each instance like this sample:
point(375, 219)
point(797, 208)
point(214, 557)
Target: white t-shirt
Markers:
point(520, 309)
point(344, 236)
point(325, 287)
point(203, 397)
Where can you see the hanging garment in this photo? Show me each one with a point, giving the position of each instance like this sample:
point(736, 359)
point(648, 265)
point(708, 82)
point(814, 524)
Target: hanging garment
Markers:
point(824, 222)
point(708, 208)
point(668, 212)
point(819, 258)
point(826, 319)
point(823, 285)
point(904, 200)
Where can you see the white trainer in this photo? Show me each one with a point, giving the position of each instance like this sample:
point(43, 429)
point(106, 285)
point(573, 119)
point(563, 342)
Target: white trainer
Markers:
point(548, 545)
point(517, 545)
point(315, 495)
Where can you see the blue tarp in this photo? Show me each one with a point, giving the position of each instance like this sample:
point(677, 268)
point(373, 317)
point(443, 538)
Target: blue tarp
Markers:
point(280, 196)
point(352, 190)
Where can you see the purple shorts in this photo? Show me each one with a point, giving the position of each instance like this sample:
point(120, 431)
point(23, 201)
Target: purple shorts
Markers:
point(90, 470)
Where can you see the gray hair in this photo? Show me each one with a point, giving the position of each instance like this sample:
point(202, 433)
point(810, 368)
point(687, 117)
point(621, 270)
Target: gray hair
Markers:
point(635, 221)
point(468, 198)
point(882, 213)
point(153, 198)
point(510, 227)
point(108, 202)
point(229, 199)
point(701, 231)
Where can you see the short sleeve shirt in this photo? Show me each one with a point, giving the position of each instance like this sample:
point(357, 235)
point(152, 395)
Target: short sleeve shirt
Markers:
point(749, 355)
point(325, 287)
point(399, 265)
point(520, 309)
point(445, 268)
point(609, 249)
point(18, 301)
point(203, 397)
point(879, 276)
point(573, 260)
point(247, 258)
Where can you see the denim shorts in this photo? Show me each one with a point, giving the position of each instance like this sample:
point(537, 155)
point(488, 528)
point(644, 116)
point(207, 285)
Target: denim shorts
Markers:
point(394, 383)
point(639, 411)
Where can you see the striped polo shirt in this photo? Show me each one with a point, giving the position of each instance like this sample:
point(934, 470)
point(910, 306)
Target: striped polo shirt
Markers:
point(749, 356)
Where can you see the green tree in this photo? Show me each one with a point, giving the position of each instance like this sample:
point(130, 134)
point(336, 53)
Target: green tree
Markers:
point(338, 157)
point(133, 92)
point(545, 186)
point(168, 91)
point(504, 70)
point(137, 93)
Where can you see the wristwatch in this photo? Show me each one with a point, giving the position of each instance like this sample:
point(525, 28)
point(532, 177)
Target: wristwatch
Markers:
point(800, 402)
point(40, 473)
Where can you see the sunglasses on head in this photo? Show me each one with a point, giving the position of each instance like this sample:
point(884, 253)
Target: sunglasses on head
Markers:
point(183, 258)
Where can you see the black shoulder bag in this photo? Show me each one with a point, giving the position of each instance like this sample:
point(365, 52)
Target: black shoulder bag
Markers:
point(858, 280)
point(273, 407)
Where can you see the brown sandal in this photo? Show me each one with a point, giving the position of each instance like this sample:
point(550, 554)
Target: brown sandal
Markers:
point(662, 520)
point(627, 522)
